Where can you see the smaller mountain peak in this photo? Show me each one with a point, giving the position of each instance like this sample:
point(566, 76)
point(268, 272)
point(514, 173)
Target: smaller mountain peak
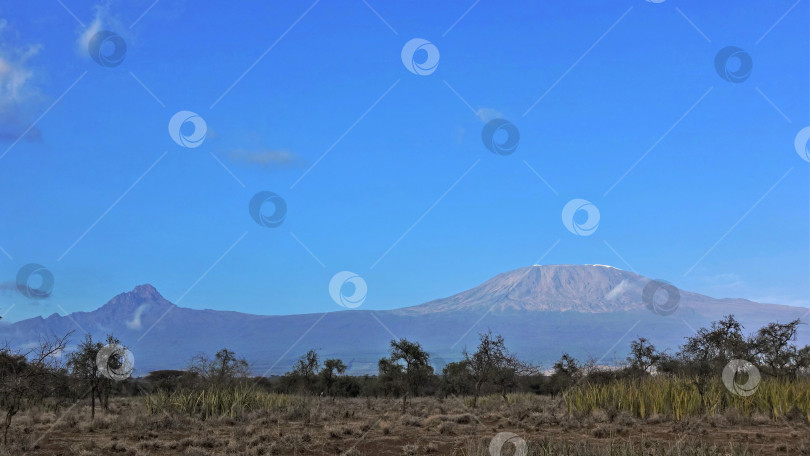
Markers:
point(146, 291)
point(130, 301)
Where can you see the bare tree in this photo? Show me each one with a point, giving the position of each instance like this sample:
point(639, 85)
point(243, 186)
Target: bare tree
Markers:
point(223, 369)
point(27, 376)
point(492, 363)
point(567, 372)
point(509, 371)
point(483, 362)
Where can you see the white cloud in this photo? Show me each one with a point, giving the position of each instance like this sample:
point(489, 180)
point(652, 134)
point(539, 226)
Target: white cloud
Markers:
point(103, 19)
point(623, 287)
point(487, 114)
point(87, 34)
point(135, 323)
point(18, 92)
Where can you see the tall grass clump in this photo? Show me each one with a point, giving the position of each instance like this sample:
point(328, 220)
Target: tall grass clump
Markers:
point(679, 397)
point(221, 402)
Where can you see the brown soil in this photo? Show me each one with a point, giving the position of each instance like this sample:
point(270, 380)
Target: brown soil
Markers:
point(377, 427)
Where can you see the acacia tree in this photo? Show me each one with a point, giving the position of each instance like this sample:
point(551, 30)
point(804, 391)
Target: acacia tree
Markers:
point(643, 355)
point(115, 363)
point(413, 367)
point(566, 372)
point(390, 377)
point(484, 361)
point(84, 368)
point(457, 379)
point(331, 369)
point(27, 376)
point(718, 344)
point(306, 368)
point(802, 360)
point(709, 350)
point(508, 372)
point(773, 348)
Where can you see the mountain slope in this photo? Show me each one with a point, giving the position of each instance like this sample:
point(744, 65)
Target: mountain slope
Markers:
point(542, 311)
point(580, 288)
point(554, 288)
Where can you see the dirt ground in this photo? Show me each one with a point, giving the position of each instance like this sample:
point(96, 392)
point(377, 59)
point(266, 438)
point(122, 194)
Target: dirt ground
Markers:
point(378, 427)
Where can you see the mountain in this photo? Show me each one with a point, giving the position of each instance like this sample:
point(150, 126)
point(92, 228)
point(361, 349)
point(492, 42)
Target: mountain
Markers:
point(590, 288)
point(542, 311)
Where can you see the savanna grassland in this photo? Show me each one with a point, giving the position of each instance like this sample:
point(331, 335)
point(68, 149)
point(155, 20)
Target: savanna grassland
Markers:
point(722, 393)
point(298, 425)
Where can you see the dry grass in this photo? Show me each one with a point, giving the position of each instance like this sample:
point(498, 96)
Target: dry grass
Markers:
point(376, 427)
point(679, 398)
point(210, 403)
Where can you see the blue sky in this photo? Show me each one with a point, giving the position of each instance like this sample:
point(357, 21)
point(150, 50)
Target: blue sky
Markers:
point(408, 196)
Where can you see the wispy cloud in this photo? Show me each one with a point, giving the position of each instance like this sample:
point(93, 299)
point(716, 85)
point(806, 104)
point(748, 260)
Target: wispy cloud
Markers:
point(10, 289)
point(623, 287)
point(267, 158)
point(487, 114)
point(19, 95)
point(136, 323)
point(103, 19)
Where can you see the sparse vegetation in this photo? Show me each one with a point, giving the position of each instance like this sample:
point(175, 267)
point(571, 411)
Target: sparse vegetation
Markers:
point(26, 377)
point(655, 404)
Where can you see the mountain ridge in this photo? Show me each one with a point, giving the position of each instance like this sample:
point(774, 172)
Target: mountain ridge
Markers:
point(541, 310)
point(628, 283)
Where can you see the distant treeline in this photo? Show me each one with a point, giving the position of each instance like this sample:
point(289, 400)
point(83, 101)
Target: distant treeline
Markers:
point(97, 371)
point(493, 369)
